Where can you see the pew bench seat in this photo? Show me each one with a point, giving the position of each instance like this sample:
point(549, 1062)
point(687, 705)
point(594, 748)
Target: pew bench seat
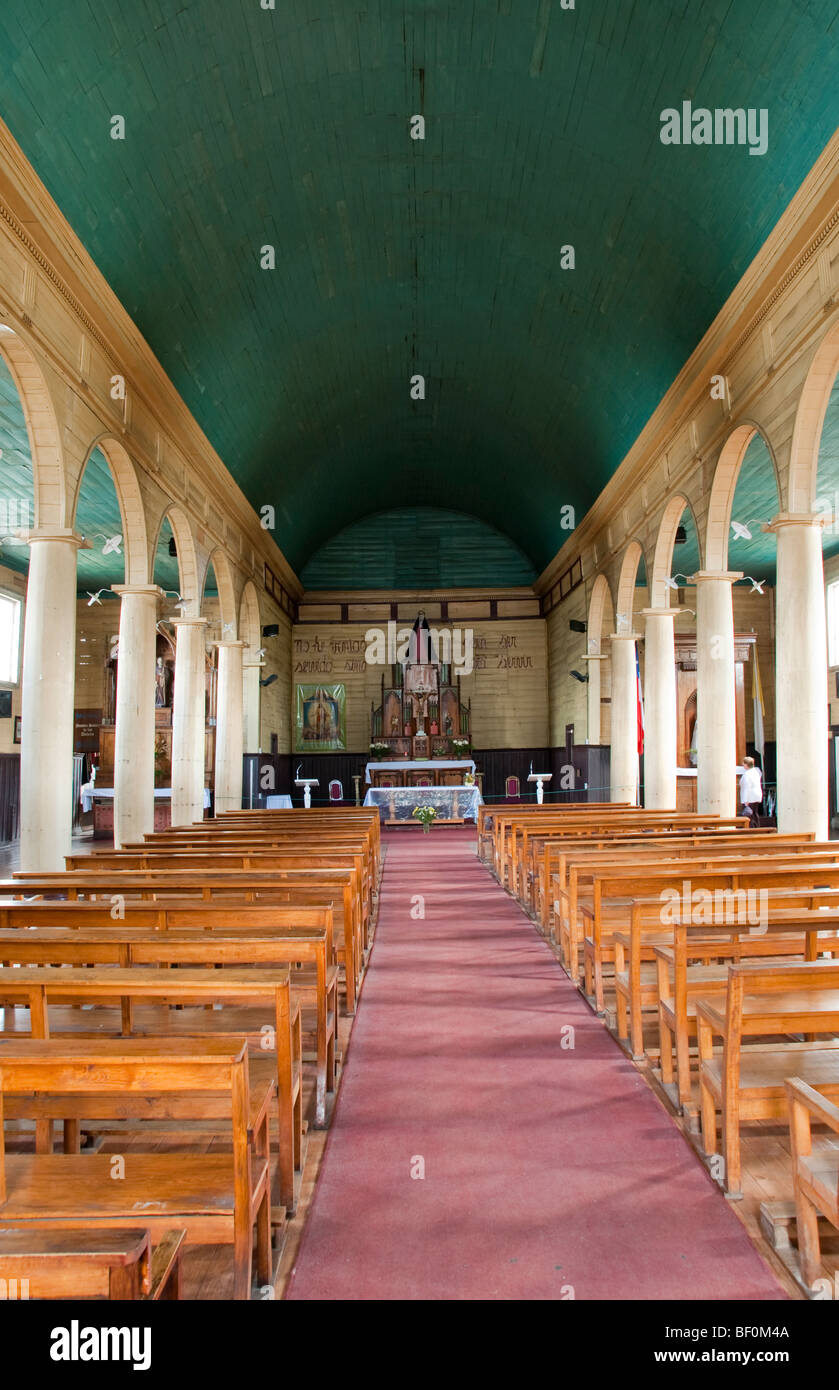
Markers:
point(761, 1003)
point(815, 1171)
point(118, 1264)
point(762, 1082)
point(217, 1197)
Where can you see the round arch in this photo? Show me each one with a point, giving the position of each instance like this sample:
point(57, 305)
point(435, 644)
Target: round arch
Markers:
point(600, 606)
point(250, 628)
point(632, 557)
point(131, 509)
point(659, 593)
point(187, 558)
point(809, 421)
point(45, 440)
point(226, 590)
point(723, 489)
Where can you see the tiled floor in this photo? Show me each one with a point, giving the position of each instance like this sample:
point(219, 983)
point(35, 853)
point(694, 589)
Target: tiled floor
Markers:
point(82, 843)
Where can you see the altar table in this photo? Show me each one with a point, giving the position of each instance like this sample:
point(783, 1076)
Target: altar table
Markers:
point(429, 765)
point(90, 793)
point(450, 803)
point(102, 801)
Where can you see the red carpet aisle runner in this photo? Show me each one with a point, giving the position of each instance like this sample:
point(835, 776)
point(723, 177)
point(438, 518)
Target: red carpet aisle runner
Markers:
point(544, 1167)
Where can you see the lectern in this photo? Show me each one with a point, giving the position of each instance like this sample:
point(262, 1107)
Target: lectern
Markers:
point(307, 783)
point(540, 778)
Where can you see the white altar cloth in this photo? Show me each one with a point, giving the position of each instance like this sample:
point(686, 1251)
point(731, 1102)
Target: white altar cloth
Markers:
point(278, 802)
point(419, 765)
point(89, 794)
point(397, 803)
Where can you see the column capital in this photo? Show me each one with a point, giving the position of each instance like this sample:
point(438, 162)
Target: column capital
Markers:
point(794, 519)
point(730, 576)
point(594, 656)
point(660, 612)
point(624, 636)
point(229, 644)
point(56, 533)
point(254, 665)
point(138, 591)
point(189, 622)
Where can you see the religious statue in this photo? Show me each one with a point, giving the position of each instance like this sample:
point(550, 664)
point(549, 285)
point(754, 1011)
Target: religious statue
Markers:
point(160, 683)
point(394, 724)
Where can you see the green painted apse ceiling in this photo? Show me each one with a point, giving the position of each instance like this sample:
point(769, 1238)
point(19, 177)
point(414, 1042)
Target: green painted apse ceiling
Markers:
point(247, 127)
point(417, 547)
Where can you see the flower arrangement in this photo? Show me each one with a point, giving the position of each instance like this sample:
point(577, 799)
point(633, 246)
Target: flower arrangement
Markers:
point(460, 745)
point(379, 750)
point(425, 815)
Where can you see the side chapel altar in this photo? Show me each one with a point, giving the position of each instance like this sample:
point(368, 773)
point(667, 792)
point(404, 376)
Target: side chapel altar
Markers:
point(100, 795)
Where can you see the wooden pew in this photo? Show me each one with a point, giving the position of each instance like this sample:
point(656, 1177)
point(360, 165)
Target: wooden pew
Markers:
point(489, 812)
point(336, 886)
point(748, 1083)
point(564, 863)
point(236, 936)
point(216, 1198)
point(362, 820)
point(815, 1171)
point(525, 837)
point(318, 840)
point(41, 988)
point(511, 830)
point(303, 852)
point(114, 1263)
point(510, 827)
point(806, 927)
point(612, 893)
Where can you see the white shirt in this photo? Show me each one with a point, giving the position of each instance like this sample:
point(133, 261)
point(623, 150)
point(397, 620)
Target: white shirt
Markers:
point(751, 788)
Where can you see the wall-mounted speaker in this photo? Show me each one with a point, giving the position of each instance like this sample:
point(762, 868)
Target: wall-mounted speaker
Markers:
point(271, 630)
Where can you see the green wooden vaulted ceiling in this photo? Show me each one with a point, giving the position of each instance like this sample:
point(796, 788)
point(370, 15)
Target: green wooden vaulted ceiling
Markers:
point(247, 127)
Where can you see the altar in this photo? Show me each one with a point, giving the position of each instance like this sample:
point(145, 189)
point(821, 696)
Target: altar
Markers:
point(452, 804)
point(419, 772)
point(101, 800)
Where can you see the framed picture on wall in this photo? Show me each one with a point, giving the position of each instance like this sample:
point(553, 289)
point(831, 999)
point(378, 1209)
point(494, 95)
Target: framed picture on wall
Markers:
point(16, 733)
point(321, 719)
point(5, 704)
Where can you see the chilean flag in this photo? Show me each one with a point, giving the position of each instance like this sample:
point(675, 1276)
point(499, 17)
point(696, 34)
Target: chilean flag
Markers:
point(639, 706)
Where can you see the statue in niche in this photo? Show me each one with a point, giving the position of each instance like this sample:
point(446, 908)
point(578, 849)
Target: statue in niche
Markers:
point(160, 684)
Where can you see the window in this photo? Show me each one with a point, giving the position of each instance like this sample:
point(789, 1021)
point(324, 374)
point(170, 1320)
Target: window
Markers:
point(833, 623)
point(10, 609)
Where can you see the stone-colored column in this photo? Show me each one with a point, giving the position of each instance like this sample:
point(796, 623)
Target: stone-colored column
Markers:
point(229, 700)
point(593, 661)
point(716, 715)
point(188, 722)
point(801, 693)
point(251, 675)
point(624, 745)
point(47, 699)
point(659, 709)
point(134, 733)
